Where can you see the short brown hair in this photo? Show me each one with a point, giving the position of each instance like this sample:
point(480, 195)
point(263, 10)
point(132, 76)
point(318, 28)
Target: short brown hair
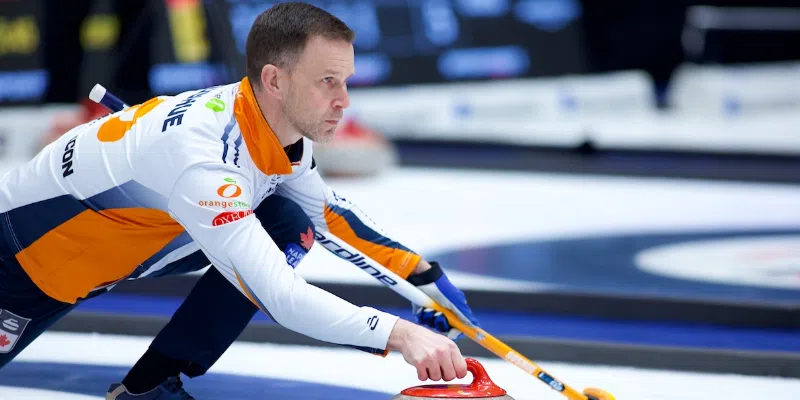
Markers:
point(280, 34)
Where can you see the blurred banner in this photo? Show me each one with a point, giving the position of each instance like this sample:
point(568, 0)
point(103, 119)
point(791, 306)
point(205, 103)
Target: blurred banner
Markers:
point(22, 78)
point(407, 42)
point(173, 34)
point(197, 43)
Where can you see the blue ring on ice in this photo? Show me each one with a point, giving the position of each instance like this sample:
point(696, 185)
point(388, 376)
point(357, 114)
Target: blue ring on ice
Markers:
point(93, 380)
point(606, 264)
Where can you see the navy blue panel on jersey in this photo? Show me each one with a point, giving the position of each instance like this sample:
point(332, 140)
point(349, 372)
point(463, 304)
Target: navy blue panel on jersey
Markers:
point(365, 232)
point(225, 136)
point(32, 221)
point(130, 194)
point(193, 262)
point(236, 144)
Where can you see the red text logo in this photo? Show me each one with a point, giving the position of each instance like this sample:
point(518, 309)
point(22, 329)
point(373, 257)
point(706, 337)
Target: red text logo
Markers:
point(230, 216)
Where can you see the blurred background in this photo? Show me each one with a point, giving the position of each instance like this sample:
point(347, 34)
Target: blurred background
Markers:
point(610, 181)
point(715, 77)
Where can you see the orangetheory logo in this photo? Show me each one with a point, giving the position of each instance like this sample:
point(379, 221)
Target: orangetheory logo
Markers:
point(229, 190)
point(115, 128)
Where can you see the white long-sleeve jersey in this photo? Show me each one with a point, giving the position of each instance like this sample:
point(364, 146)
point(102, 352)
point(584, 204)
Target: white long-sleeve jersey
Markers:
point(123, 196)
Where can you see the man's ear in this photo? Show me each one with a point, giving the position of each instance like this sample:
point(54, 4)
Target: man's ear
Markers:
point(270, 82)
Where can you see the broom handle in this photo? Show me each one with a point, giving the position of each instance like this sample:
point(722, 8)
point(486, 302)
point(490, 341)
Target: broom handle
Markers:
point(480, 336)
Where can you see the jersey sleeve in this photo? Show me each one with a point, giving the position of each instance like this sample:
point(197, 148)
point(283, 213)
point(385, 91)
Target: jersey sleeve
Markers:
point(213, 203)
point(343, 228)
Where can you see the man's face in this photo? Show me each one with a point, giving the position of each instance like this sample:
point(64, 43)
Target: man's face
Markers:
point(317, 93)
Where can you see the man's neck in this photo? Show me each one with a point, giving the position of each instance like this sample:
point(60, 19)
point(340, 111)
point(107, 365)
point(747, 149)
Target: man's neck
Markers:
point(272, 113)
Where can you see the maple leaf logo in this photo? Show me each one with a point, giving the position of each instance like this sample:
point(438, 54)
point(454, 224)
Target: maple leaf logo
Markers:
point(4, 341)
point(307, 239)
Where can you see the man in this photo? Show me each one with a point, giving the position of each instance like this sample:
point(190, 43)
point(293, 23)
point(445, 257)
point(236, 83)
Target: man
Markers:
point(222, 176)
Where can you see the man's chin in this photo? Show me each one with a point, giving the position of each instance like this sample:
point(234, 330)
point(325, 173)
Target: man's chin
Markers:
point(323, 137)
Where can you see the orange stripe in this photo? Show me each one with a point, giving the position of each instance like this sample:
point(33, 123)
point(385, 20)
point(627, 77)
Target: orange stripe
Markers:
point(247, 293)
point(115, 129)
point(94, 249)
point(398, 261)
point(264, 147)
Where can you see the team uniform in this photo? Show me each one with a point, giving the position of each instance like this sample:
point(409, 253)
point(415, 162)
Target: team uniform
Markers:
point(151, 190)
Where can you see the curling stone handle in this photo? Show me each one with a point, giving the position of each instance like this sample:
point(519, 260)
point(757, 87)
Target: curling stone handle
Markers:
point(480, 379)
point(481, 387)
point(477, 370)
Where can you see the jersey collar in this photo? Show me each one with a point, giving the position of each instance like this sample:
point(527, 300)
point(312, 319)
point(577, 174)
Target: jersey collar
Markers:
point(263, 145)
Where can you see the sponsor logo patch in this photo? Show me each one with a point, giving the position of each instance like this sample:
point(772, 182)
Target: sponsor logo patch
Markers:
point(215, 104)
point(229, 190)
point(373, 322)
point(11, 328)
point(294, 254)
point(307, 239)
point(230, 216)
point(223, 204)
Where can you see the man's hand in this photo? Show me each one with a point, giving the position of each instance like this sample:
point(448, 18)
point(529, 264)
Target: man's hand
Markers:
point(430, 278)
point(434, 356)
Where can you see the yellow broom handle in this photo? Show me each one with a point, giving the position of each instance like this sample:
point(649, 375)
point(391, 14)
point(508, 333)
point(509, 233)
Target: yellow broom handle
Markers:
point(505, 352)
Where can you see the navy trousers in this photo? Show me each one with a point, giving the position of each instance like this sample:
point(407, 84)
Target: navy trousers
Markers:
point(211, 317)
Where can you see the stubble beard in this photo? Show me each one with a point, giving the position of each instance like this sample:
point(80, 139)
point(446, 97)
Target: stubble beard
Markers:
point(315, 131)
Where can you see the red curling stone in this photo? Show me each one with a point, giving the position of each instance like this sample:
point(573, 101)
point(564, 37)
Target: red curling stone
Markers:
point(481, 387)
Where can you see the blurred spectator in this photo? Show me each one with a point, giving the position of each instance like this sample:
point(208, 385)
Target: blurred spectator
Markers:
point(64, 55)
